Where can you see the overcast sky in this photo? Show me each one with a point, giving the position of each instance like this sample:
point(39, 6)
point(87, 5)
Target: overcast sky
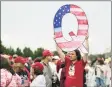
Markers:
point(30, 23)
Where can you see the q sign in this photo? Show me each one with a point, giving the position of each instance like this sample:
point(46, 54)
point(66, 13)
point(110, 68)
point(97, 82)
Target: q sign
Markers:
point(77, 40)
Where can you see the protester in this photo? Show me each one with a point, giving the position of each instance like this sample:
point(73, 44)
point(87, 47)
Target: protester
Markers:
point(90, 76)
point(53, 63)
point(101, 73)
point(28, 63)
point(47, 57)
point(21, 70)
point(39, 78)
point(108, 76)
point(74, 67)
point(68, 70)
point(8, 77)
point(32, 70)
point(108, 69)
point(61, 72)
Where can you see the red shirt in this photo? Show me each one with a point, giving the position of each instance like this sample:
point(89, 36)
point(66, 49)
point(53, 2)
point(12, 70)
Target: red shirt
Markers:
point(75, 80)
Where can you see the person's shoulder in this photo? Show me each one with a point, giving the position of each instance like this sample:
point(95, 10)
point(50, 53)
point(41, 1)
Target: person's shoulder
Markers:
point(81, 60)
point(43, 63)
point(5, 71)
point(40, 78)
point(51, 64)
point(67, 58)
point(105, 66)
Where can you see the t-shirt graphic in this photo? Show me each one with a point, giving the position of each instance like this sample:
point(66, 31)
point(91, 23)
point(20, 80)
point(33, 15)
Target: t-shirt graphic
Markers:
point(24, 77)
point(71, 70)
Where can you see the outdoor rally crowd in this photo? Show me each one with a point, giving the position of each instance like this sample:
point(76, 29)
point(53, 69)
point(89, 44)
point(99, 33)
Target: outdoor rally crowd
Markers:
point(65, 70)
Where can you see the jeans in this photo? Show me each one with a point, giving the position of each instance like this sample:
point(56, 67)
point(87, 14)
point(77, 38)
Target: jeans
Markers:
point(100, 82)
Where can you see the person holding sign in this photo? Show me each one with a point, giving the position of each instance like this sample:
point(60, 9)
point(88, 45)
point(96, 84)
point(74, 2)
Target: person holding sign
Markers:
point(74, 66)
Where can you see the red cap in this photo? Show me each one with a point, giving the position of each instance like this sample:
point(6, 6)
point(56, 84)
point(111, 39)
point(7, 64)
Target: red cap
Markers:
point(47, 53)
point(26, 60)
point(10, 58)
point(19, 60)
point(38, 65)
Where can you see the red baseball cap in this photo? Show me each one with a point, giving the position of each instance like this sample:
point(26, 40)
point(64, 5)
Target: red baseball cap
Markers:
point(47, 53)
point(38, 65)
point(20, 60)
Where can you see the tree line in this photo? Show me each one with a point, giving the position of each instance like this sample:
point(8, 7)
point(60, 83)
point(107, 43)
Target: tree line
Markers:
point(27, 52)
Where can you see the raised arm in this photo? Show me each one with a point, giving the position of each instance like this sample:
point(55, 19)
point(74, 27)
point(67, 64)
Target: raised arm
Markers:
point(86, 44)
point(61, 54)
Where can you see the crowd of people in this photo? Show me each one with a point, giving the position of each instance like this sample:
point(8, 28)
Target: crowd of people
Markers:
point(52, 71)
point(62, 70)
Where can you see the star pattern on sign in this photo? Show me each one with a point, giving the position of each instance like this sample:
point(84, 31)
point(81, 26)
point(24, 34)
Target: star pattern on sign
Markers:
point(59, 15)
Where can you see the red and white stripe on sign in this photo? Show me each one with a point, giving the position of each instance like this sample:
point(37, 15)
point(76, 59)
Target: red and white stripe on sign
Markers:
point(77, 40)
point(58, 34)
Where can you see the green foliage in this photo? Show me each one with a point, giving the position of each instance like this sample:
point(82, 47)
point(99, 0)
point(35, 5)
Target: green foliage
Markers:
point(38, 52)
point(11, 51)
point(19, 52)
point(92, 57)
point(2, 48)
point(27, 52)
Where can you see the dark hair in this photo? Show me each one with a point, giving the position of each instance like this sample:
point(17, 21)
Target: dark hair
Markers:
point(53, 59)
point(93, 62)
point(102, 56)
point(38, 72)
point(78, 54)
point(37, 60)
point(6, 65)
point(101, 62)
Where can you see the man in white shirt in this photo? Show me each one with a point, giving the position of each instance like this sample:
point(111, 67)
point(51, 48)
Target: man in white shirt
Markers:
point(53, 63)
point(54, 71)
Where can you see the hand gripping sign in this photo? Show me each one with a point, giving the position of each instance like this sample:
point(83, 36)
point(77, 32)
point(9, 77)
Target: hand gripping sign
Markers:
point(78, 40)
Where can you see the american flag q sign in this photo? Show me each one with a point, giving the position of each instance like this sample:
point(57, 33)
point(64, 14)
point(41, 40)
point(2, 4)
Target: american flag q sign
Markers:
point(77, 40)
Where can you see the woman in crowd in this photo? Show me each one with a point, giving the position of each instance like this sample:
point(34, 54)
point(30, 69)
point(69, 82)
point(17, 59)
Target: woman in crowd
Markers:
point(90, 74)
point(101, 73)
point(8, 77)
